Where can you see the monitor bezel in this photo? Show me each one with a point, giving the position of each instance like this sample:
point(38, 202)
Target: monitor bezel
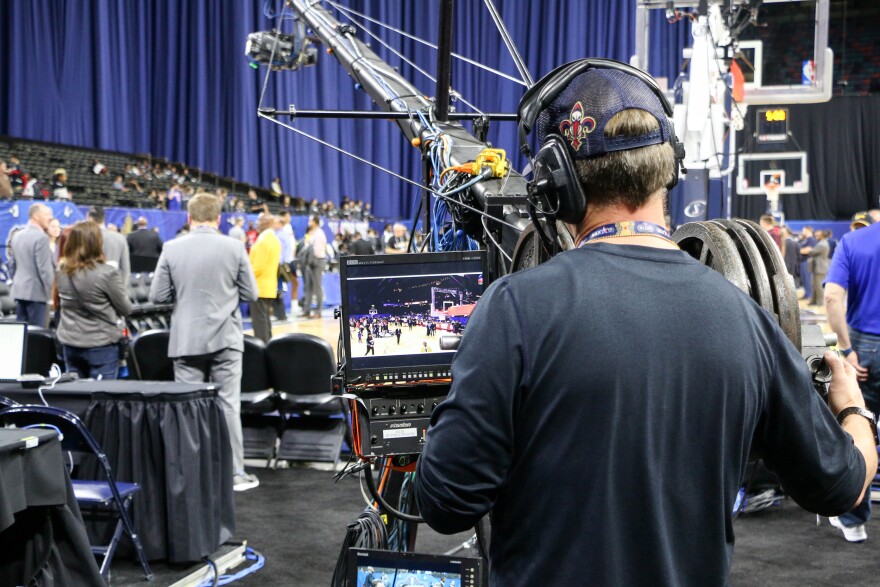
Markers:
point(371, 375)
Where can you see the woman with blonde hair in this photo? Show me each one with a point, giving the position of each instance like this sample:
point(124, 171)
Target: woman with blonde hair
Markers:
point(93, 300)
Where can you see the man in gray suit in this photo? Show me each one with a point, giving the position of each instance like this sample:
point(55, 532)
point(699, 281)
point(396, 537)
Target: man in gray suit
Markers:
point(115, 246)
point(206, 275)
point(34, 271)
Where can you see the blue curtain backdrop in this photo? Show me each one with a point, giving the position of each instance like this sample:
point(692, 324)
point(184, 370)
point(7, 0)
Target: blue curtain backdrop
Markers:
point(168, 77)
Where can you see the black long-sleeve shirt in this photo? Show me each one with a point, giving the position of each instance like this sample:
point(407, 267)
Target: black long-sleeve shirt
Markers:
point(604, 406)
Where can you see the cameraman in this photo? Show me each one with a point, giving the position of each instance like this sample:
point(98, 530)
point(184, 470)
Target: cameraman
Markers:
point(605, 403)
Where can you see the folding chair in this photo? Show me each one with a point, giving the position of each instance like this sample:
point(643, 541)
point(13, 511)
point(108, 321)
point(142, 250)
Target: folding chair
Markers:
point(106, 494)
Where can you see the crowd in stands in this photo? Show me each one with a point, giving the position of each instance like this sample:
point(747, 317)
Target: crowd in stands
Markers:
point(38, 171)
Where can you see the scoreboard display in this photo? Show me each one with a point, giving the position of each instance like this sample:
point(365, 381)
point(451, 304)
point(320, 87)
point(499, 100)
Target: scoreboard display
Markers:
point(772, 125)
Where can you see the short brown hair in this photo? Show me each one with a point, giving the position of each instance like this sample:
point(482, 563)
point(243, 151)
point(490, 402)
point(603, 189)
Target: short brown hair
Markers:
point(82, 247)
point(204, 207)
point(627, 177)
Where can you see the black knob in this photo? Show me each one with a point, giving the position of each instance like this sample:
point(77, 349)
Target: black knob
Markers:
point(374, 439)
point(392, 410)
point(402, 409)
point(433, 405)
point(375, 410)
point(420, 408)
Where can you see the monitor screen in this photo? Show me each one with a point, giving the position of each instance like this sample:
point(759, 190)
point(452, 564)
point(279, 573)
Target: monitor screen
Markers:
point(405, 569)
point(402, 314)
point(13, 336)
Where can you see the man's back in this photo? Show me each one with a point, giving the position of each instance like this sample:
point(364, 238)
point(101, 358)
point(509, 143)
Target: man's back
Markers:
point(205, 274)
point(856, 268)
point(361, 247)
point(144, 243)
point(34, 271)
point(633, 378)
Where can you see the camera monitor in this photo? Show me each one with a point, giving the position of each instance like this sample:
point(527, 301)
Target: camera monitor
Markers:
point(402, 313)
point(405, 569)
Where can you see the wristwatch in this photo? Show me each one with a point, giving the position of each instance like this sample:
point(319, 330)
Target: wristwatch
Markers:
point(846, 352)
point(867, 414)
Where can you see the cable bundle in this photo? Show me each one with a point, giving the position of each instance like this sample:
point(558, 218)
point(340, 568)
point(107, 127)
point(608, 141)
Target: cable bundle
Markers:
point(367, 531)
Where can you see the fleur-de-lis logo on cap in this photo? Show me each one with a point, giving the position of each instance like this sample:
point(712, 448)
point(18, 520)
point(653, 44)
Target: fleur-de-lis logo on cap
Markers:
point(577, 126)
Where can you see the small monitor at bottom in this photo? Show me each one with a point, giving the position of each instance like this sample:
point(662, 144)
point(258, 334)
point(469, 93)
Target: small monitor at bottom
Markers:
point(383, 568)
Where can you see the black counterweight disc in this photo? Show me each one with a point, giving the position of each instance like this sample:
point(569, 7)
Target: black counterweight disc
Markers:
point(759, 282)
point(711, 246)
point(782, 285)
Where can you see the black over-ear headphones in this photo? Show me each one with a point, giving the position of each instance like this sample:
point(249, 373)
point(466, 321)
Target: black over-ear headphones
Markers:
point(554, 175)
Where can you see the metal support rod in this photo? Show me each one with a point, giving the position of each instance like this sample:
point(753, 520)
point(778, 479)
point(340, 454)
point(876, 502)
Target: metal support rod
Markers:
point(511, 46)
point(444, 62)
point(377, 115)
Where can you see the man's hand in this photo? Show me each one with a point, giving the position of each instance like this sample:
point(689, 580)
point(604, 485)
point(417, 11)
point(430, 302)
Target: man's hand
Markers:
point(861, 372)
point(844, 390)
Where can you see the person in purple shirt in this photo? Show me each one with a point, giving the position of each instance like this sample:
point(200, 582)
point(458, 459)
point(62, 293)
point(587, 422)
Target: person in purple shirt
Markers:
point(175, 197)
point(854, 277)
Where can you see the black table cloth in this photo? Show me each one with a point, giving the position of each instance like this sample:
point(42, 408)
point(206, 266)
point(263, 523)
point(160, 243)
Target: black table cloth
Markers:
point(172, 439)
point(42, 537)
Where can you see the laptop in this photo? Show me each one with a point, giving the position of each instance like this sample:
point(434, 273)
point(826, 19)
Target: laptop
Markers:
point(13, 347)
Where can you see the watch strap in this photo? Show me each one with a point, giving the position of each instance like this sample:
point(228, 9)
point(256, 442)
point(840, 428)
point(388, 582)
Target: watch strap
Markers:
point(846, 352)
point(867, 414)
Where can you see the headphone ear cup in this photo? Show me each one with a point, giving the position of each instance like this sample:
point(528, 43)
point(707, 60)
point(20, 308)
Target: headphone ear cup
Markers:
point(556, 179)
point(677, 166)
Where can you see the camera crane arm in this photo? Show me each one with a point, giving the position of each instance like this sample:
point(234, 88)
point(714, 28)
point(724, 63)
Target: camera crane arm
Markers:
point(500, 198)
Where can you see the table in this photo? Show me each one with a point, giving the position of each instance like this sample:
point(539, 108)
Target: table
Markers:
point(42, 536)
point(172, 439)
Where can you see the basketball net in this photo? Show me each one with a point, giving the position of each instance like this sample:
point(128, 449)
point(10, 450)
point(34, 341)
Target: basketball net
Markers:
point(772, 191)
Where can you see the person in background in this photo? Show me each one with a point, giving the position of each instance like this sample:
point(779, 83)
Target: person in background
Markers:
point(34, 270)
point(5, 183)
point(93, 300)
point(360, 246)
point(54, 231)
point(818, 263)
point(396, 244)
point(115, 245)
point(874, 213)
point(255, 205)
point(791, 254)
point(861, 220)
point(17, 174)
point(59, 185)
point(174, 198)
point(287, 269)
point(206, 275)
point(236, 231)
point(276, 187)
point(852, 303)
point(806, 242)
point(251, 235)
point(768, 223)
point(98, 168)
point(317, 240)
point(265, 256)
point(119, 184)
point(113, 228)
point(145, 246)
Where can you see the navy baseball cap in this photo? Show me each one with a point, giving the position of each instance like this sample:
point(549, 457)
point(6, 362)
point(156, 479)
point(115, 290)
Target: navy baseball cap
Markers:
point(582, 109)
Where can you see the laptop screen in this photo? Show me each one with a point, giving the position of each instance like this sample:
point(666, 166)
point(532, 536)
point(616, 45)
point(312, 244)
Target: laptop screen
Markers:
point(12, 348)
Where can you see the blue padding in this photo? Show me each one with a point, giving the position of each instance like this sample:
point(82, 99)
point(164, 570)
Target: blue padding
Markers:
point(99, 491)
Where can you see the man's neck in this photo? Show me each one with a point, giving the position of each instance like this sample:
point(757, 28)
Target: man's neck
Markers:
point(652, 212)
point(194, 225)
point(33, 222)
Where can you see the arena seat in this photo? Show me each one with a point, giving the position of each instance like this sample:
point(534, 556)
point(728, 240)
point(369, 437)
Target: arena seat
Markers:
point(300, 368)
point(149, 354)
point(41, 351)
point(260, 419)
